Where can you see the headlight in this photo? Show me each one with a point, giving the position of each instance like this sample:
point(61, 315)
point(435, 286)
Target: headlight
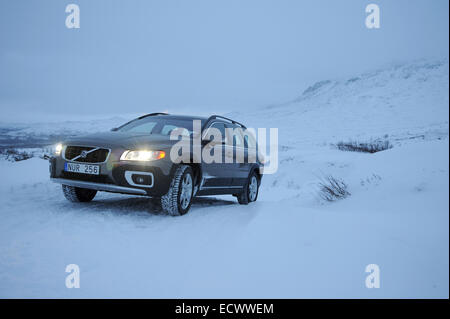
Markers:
point(58, 149)
point(142, 155)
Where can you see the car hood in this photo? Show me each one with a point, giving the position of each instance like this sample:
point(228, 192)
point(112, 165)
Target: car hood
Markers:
point(122, 140)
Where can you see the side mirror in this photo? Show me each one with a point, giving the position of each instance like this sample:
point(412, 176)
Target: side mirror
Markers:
point(214, 142)
point(205, 142)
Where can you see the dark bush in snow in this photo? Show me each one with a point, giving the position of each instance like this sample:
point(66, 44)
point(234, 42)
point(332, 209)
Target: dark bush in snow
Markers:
point(17, 155)
point(332, 189)
point(369, 147)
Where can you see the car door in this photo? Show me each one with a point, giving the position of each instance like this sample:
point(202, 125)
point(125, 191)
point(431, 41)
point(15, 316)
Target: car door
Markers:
point(216, 174)
point(236, 149)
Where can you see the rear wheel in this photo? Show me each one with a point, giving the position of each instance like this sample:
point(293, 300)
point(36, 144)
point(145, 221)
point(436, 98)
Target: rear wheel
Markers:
point(178, 199)
point(76, 194)
point(250, 192)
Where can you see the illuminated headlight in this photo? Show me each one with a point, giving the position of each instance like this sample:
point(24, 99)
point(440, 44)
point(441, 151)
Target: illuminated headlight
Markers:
point(58, 149)
point(142, 155)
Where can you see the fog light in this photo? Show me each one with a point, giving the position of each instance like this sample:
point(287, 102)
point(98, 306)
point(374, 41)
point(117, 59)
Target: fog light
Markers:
point(140, 180)
point(137, 178)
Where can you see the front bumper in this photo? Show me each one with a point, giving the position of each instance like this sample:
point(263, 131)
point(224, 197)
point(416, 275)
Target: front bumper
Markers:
point(99, 186)
point(113, 176)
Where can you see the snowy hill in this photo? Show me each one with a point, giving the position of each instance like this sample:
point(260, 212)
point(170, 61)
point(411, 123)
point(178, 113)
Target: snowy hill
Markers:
point(290, 243)
point(404, 101)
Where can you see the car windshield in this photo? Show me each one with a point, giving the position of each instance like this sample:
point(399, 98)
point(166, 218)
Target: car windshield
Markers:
point(153, 125)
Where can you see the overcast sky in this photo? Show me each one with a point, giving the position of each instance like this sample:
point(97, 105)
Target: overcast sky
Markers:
point(198, 55)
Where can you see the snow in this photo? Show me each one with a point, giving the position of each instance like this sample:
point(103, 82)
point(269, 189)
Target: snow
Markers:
point(405, 102)
point(289, 243)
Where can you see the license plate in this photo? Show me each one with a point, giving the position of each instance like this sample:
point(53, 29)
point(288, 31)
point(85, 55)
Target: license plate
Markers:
point(82, 168)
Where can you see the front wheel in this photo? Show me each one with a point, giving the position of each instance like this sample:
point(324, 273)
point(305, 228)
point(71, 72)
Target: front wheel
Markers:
point(178, 199)
point(76, 194)
point(250, 192)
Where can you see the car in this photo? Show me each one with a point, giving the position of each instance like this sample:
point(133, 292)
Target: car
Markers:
point(137, 158)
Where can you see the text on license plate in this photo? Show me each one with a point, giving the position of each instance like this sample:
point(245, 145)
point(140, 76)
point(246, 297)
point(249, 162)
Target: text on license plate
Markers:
point(82, 168)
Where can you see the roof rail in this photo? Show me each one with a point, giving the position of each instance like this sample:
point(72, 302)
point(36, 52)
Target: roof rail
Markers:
point(152, 114)
point(225, 118)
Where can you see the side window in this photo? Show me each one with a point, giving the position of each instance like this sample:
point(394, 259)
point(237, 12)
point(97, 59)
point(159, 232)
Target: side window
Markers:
point(168, 128)
point(237, 135)
point(249, 140)
point(237, 139)
point(219, 126)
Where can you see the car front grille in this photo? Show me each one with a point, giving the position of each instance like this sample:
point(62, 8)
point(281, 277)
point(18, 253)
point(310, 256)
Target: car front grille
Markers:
point(86, 154)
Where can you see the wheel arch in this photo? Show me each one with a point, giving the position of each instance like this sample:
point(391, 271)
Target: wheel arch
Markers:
point(255, 168)
point(197, 170)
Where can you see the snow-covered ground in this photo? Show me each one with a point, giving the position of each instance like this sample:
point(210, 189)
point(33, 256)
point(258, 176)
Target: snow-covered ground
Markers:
point(290, 243)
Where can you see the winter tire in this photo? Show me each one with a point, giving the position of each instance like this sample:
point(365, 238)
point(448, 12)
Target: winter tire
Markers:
point(77, 195)
point(178, 199)
point(251, 189)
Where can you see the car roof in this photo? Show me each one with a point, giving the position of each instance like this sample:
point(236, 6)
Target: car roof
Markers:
point(204, 120)
point(178, 117)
